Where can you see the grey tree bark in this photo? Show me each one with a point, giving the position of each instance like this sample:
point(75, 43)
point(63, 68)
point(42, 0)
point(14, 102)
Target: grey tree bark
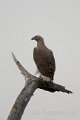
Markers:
point(31, 84)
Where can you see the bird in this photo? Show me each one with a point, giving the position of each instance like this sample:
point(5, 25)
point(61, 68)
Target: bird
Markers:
point(44, 59)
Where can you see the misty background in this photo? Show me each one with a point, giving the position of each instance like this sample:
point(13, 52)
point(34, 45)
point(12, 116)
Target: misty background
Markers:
point(58, 22)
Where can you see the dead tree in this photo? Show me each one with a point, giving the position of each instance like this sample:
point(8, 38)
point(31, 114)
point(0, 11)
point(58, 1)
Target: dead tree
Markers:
point(31, 84)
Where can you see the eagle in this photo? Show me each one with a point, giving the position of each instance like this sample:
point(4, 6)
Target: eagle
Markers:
point(44, 58)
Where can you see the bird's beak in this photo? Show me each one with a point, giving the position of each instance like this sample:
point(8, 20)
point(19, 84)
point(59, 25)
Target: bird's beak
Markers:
point(32, 39)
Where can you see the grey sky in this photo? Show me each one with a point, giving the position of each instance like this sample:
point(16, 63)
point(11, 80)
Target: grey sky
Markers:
point(58, 21)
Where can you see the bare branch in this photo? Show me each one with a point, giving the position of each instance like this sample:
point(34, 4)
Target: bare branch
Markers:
point(52, 87)
point(31, 85)
point(21, 68)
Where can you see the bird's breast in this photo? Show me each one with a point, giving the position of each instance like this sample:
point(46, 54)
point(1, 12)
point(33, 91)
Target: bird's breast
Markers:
point(39, 55)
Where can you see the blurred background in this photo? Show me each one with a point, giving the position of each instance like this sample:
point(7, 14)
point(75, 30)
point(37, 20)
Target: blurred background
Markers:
point(58, 22)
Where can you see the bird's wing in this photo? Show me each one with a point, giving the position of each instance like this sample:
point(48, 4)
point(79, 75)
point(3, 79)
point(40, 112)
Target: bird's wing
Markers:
point(51, 62)
point(45, 62)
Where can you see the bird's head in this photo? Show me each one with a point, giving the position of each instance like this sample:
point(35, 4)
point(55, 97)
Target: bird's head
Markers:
point(38, 38)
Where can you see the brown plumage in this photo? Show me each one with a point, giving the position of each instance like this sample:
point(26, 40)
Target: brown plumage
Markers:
point(44, 58)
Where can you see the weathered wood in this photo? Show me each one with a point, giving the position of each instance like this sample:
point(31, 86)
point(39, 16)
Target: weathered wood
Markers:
point(52, 87)
point(22, 100)
point(31, 84)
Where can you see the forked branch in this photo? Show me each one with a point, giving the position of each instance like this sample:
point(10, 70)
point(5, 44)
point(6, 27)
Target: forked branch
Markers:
point(31, 84)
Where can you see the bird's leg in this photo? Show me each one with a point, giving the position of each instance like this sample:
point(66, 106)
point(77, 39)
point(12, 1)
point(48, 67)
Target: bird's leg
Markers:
point(42, 76)
point(45, 78)
point(48, 79)
point(37, 72)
